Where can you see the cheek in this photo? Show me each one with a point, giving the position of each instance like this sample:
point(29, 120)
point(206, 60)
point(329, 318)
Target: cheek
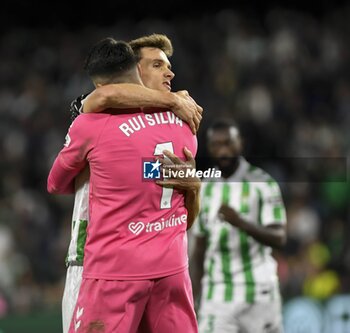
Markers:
point(155, 80)
point(146, 79)
point(151, 83)
point(145, 73)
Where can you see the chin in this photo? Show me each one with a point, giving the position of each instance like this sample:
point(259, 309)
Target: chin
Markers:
point(225, 165)
point(165, 88)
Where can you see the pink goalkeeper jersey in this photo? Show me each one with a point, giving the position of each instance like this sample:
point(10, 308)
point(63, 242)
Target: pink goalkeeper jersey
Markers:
point(137, 229)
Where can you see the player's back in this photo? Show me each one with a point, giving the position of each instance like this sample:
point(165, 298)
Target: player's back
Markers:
point(137, 228)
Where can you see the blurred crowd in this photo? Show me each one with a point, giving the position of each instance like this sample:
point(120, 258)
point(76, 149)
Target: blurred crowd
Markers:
point(285, 79)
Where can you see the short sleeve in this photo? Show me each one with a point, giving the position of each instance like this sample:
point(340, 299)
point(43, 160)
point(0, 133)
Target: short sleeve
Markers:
point(272, 209)
point(201, 224)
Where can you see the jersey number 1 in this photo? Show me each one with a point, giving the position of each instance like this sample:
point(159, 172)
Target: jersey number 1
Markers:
point(167, 193)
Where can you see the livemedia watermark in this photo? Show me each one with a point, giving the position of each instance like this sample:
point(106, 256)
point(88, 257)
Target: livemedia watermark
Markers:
point(154, 170)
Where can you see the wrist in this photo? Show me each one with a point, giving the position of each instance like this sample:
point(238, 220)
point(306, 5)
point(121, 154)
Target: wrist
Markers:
point(195, 187)
point(171, 100)
point(241, 223)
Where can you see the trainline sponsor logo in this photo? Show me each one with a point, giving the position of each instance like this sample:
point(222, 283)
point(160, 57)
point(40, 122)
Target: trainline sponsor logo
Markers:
point(137, 227)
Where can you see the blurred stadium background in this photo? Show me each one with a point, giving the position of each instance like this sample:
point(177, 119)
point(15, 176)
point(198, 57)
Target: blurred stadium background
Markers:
point(282, 71)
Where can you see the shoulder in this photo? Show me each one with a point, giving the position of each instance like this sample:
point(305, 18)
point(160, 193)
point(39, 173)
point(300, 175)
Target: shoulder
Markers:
point(93, 116)
point(261, 178)
point(89, 119)
point(256, 174)
point(87, 126)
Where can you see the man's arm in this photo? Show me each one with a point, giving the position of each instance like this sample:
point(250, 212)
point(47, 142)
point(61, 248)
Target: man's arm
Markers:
point(60, 180)
point(70, 160)
point(192, 204)
point(197, 266)
point(191, 185)
point(128, 95)
point(273, 234)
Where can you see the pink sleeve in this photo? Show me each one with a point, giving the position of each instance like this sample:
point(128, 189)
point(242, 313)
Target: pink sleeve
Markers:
point(72, 158)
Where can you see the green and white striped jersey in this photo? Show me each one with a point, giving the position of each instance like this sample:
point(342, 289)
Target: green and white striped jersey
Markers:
point(236, 267)
point(80, 219)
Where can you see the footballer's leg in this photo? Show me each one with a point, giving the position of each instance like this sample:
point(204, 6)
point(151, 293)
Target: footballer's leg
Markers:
point(170, 307)
point(109, 306)
point(267, 317)
point(217, 318)
point(70, 294)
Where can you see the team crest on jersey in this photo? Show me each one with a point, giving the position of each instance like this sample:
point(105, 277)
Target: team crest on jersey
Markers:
point(275, 200)
point(68, 140)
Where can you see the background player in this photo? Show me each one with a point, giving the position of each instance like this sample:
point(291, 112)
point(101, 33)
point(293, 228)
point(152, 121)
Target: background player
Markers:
point(241, 218)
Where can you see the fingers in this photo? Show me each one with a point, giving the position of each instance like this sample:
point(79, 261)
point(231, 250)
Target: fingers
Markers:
point(178, 184)
point(193, 115)
point(197, 121)
point(193, 125)
point(194, 121)
point(166, 183)
point(221, 212)
point(221, 216)
point(172, 157)
point(164, 161)
point(188, 154)
point(183, 93)
point(172, 171)
point(172, 163)
point(226, 210)
point(189, 157)
point(199, 109)
point(199, 114)
point(176, 160)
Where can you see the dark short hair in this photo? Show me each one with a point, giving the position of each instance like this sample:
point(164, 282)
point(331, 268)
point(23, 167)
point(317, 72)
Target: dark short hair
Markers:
point(110, 57)
point(222, 124)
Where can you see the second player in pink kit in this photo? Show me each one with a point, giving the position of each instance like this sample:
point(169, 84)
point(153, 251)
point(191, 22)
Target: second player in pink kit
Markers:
point(130, 236)
point(136, 240)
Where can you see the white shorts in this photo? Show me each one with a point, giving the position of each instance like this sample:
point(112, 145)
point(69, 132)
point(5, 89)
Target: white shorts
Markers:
point(70, 294)
point(259, 317)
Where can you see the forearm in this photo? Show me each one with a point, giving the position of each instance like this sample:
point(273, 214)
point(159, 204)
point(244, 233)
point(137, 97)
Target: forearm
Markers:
point(127, 95)
point(60, 180)
point(192, 204)
point(197, 267)
point(196, 273)
point(271, 236)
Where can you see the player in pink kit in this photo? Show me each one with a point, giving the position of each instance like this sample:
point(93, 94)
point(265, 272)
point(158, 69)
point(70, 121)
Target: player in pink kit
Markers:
point(135, 267)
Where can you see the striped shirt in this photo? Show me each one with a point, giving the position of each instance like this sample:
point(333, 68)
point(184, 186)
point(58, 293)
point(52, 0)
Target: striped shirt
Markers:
point(236, 266)
point(80, 219)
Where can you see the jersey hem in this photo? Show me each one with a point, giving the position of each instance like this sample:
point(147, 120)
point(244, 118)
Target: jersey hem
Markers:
point(134, 277)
